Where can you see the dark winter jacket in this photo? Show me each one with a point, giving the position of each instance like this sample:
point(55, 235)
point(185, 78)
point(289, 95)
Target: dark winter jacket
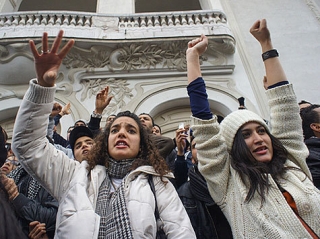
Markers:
point(313, 159)
point(206, 217)
point(33, 203)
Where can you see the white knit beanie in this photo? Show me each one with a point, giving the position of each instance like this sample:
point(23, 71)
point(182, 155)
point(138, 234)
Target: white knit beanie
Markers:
point(232, 122)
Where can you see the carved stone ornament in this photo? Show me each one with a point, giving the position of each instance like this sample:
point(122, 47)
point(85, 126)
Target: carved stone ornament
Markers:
point(129, 57)
point(135, 56)
point(118, 88)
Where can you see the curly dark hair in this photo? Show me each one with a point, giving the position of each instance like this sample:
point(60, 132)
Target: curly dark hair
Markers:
point(148, 154)
point(257, 172)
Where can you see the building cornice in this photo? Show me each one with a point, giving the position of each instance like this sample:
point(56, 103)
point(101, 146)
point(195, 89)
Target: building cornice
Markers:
point(141, 44)
point(106, 26)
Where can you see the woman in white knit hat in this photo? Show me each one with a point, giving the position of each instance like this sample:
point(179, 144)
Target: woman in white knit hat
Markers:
point(259, 177)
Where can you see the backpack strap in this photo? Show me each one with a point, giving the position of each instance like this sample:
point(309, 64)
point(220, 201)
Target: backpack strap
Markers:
point(156, 211)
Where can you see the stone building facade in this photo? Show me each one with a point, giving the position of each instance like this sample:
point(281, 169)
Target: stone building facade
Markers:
point(137, 48)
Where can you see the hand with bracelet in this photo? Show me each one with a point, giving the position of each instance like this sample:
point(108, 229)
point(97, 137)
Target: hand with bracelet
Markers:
point(65, 109)
point(275, 73)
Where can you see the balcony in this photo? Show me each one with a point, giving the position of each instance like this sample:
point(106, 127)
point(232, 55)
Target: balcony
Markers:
point(129, 53)
point(149, 43)
point(154, 25)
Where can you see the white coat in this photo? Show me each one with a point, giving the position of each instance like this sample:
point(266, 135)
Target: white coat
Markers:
point(77, 189)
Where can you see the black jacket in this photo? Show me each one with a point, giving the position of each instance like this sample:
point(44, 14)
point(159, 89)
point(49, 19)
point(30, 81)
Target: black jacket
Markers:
point(3, 150)
point(205, 215)
point(313, 159)
point(33, 203)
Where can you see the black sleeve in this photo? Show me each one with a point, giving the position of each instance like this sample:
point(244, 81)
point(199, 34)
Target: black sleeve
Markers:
point(43, 208)
point(58, 139)
point(180, 170)
point(94, 125)
point(3, 150)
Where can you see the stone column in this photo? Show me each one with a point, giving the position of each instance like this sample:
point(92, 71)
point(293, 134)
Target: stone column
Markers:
point(9, 5)
point(210, 4)
point(115, 6)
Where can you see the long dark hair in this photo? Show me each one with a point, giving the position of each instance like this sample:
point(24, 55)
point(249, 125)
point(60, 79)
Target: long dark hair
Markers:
point(254, 171)
point(148, 154)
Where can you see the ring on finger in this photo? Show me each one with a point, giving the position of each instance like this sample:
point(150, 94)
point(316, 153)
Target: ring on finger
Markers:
point(45, 52)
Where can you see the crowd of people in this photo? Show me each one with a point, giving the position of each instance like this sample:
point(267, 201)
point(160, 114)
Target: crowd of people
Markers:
point(231, 177)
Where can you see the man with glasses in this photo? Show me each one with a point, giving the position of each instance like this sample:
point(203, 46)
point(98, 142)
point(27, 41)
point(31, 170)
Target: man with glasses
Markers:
point(10, 164)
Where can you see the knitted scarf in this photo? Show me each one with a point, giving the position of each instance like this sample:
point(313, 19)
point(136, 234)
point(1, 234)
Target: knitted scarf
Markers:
point(112, 207)
point(27, 185)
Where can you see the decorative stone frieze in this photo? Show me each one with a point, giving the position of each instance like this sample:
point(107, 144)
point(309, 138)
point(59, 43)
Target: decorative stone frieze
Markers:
point(119, 51)
point(140, 55)
point(118, 88)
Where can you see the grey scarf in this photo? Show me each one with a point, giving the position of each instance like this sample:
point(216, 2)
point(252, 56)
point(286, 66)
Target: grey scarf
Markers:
point(119, 169)
point(112, 207)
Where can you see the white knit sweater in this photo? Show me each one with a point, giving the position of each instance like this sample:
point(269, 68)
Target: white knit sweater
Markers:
point(275, 218)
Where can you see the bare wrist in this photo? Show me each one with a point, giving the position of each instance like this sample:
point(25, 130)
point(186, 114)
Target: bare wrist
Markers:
point(266, 46)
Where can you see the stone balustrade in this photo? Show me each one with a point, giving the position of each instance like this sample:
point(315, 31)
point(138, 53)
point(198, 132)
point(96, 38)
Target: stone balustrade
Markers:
point(45, 19)
point(173, 19)
point(108, 26)
point(79, 19)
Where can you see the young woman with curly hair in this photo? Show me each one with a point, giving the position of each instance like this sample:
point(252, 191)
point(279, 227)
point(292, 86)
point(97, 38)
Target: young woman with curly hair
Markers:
point(109, 194)
point(148, 154)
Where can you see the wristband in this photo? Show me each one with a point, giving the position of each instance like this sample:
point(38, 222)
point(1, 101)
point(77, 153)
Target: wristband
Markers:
point(270, 54)
point(96, 115)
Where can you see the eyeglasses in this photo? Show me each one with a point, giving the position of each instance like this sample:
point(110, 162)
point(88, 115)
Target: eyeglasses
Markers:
point(12, 161)
point(8, 147)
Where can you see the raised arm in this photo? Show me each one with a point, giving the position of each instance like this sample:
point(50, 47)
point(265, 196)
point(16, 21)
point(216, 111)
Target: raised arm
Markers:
point(196, 89)
point(284, 110)
point(102, 101)
point(29, 142)
point(195, 49)
point(212, 152)
point(48, 62)
point(274, 71)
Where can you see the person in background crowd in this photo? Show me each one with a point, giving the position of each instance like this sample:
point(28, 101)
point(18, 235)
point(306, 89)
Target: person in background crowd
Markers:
point(101, 102)
point(80, 122)
point(156, 130)
point(108, 195)
point(311, 130)
point(164, 144)
point(303, 104)
point(81, 142)
point(30, 201)
point(259, 178)
point(56, 109)
point(110, 119)
point(10, 164)
point(56, 137)
point(206, 217)
point(37, 230)
point(3, 149)
point(9, 226)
